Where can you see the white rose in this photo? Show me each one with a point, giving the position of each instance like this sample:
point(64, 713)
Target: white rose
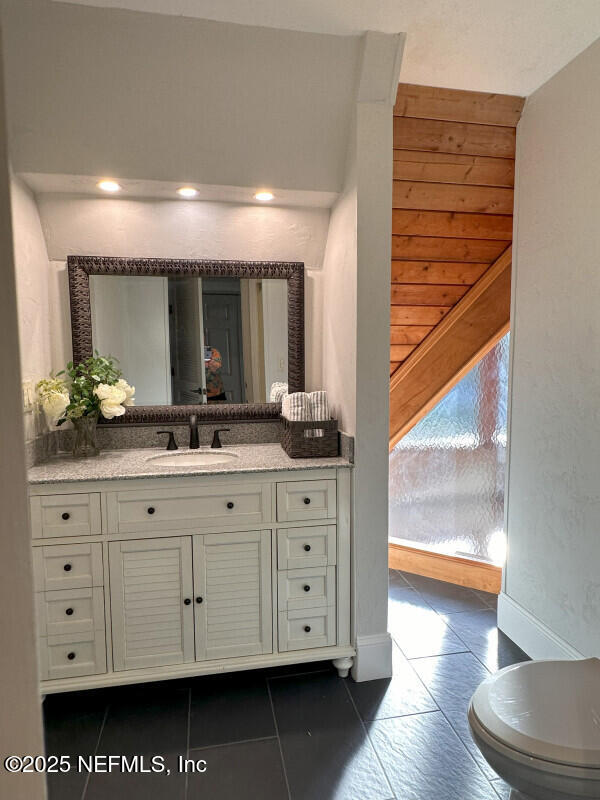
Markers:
point(129, 392)
point(54, 405)
point(111, 398)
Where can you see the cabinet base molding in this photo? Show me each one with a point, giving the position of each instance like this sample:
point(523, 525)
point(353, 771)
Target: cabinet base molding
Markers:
point(373, 657)
point(196, 669)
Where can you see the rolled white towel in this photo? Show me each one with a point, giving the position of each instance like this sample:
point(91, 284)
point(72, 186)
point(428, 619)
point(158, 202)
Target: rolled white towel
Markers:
point(278, 391)
point(319, 408)
point(296, 407)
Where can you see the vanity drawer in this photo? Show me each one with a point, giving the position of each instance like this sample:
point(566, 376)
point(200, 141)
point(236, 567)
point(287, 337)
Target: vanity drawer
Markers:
point(300, 500)
point(200, 507)
point(304, 629)
point(65, 515)
point(72, 655)
point(306, 547)
point(71, 611)
point(306, 588)
point(67, 566)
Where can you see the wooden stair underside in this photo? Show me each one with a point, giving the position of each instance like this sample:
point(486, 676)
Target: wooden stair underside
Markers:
point(451, 222)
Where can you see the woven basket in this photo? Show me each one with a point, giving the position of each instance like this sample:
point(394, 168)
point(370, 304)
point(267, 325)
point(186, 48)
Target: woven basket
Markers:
point(297, 445)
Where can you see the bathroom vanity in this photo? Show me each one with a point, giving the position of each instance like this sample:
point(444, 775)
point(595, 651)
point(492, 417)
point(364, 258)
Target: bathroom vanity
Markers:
point(146, 570)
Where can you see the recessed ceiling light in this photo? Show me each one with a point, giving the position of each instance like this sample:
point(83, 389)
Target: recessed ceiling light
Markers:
point(264, 197)
point(187, 191)
point(109, 186)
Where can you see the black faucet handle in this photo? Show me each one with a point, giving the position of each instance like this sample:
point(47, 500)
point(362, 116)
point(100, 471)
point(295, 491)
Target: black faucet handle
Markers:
point(216, 442)
point(172, 445)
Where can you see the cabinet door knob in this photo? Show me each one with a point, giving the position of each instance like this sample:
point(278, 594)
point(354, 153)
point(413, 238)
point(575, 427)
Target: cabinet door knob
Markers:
point(66, 516)
point(151, 510)
point(307, 548)
point(306, 587)
point(70, 656)
point(199, 599)
point(230, 504)
point(68, 567)
point(307, 501)
point(187, 601)
point(307, 628)
point(69, 612)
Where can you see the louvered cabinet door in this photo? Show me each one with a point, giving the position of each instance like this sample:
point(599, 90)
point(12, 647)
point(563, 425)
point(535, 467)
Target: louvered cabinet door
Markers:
point(232, 588)
point(150, 582)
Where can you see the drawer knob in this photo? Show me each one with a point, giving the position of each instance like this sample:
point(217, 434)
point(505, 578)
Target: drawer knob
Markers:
point(68, 567)
point(307, 548)
point(307, 501)
point(307, 628)
point(69, 612)
point(306, 587)
point(66, 516)
point(199, 599)
point(230, 505)
point(187, 601)
point(151, 510)
point(71, 656)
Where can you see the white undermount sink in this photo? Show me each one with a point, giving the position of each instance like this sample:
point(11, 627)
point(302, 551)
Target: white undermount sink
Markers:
point(193, 458)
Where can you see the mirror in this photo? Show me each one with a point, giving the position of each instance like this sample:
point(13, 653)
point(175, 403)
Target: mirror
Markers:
point(192, 340)
point(204, 337)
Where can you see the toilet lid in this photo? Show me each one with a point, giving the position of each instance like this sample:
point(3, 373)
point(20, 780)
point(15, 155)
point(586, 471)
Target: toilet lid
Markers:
point(546, 709)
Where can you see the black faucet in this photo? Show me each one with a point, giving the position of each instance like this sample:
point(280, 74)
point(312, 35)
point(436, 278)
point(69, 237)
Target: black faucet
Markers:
point(194, 443)
point(172, 443)
point(216, 442)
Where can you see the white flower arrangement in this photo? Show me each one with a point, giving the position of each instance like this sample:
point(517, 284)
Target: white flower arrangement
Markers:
point(94, 387)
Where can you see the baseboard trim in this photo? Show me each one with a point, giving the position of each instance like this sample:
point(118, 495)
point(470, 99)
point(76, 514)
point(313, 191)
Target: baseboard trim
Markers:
point(462, 571)
point(532, 636)
point(373, 657)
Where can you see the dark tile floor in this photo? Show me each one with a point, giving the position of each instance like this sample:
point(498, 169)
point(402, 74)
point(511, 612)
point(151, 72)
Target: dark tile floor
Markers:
point(304, 733)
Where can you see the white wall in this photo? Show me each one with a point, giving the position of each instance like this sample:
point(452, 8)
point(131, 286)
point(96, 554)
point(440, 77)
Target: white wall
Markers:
point(356, 336)
point(551, 604)
point(32, 275)
point(149, 96)
point(21, 728)
point(88, 225)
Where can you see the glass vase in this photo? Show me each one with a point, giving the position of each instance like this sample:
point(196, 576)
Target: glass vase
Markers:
point(84, 439)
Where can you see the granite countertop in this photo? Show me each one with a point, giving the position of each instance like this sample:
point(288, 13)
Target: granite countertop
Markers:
point(116, 465)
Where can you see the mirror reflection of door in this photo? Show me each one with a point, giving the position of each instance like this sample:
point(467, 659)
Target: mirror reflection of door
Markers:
point(186, 337)
point(223, 340)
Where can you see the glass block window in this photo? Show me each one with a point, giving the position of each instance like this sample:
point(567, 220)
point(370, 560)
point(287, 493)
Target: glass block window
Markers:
point(447, 473)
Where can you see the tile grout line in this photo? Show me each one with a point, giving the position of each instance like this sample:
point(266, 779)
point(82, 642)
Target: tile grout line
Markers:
point(297, 674)
point(285, 775)
point(187, 747)
point(231, 744)
point(367, 734)
point(100, 732)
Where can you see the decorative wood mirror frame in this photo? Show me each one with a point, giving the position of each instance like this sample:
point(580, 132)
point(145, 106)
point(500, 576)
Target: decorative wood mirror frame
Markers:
point(81, 267)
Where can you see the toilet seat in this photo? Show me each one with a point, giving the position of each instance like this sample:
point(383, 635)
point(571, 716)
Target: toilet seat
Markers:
point(545, 710)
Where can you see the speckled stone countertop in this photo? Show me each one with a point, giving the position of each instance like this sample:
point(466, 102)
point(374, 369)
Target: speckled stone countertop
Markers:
point(117, 465)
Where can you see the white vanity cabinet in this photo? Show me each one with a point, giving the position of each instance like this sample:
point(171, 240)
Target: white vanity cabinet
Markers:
point(145, 579)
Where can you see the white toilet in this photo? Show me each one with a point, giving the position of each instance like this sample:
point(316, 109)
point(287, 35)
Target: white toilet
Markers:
point(538, 726)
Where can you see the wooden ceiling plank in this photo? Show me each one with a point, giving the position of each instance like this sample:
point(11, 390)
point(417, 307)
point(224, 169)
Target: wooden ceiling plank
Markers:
point(399, 352)
point(441, 249)
point(455, 173)
point(482, 108)
point(414, 222)
point(414, 294)
point(454, 137)
point(418, 315)
point(468, 331)
point(452, 197)
point(394, 366)
point(446, 272)
point(409, 334)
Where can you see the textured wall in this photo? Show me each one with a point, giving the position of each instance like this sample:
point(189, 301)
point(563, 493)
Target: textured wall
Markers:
point(88, 225)
point(32, 275)
point(554, 451)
